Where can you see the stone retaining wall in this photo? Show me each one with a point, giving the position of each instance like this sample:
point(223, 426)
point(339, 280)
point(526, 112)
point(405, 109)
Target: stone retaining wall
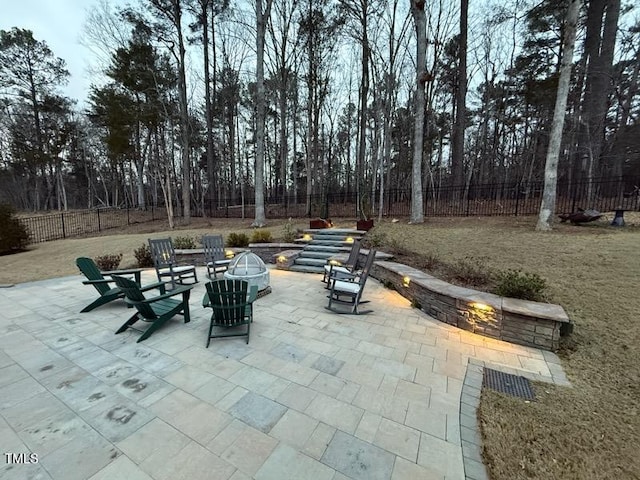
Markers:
point(195, 256)
point(522, 322)
point(267, 251)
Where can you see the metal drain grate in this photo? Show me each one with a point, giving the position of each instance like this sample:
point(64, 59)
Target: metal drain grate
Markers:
point(506, 383)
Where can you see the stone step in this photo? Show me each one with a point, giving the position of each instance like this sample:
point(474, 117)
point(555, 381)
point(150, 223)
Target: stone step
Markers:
point(320, 236)
point(330, 243)
point(306, 269)
point(318, 262)
point(315, 254)
point(325, 248)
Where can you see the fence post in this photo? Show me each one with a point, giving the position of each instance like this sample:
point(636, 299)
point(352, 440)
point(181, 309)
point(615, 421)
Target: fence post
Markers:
point(468, 202)
point(517, 198)
point(127, 207)
point(64, 232)
point(98, 212)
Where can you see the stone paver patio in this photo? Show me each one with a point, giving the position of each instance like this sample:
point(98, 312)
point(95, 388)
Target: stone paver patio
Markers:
point(314, 395)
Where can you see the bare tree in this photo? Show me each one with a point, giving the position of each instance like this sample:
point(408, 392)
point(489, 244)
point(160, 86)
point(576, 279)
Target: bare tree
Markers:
point(548, 205)
point(457, 144)
point(420, 21)
point(171, 15)
point(261, 25)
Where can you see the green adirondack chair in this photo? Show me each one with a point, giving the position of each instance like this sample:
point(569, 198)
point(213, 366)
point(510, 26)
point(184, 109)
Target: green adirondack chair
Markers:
point(232, 306)
point(101, 283)
point(156, 310)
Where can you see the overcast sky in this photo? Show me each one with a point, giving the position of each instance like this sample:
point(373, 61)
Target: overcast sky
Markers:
point(58, 23)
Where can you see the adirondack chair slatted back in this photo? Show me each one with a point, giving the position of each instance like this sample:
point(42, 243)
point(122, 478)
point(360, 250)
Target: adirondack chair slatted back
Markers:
point(213, 248)
point(90, 270)
point(354, 254)
point(162, 252)
point(132, 292)
point(228, 300)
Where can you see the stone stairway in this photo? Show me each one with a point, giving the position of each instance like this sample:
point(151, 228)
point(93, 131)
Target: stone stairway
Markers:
point(321, 245)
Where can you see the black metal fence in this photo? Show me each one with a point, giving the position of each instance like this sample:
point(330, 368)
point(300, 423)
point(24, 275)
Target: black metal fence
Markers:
point(56, 226)
point(500, 199)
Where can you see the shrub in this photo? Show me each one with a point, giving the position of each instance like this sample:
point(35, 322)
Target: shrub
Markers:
point(109, 261)
point(517, 284)
point(184, 242)
point(289, 233)
point(471, 272)
point(261, 236)
point(143, 256)
point(13, 234)
point(374, 239)
point(237, 240)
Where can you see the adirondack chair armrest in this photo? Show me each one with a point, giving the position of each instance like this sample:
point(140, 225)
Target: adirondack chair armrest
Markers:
point(101, 280)
point(151, 286)
point(172, 293)
point(253, 294)
point(128, 271)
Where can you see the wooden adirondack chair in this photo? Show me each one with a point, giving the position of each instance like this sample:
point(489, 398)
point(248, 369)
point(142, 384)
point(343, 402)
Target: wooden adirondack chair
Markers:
point(164, 259)
point(156, 310)
point(97, 278)
point(214, 255)
point(351, 289)
point(232, 306)
point(335, 271)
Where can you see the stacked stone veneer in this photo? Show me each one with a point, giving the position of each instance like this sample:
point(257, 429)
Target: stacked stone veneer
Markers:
point(266, 251)
point(523, 322)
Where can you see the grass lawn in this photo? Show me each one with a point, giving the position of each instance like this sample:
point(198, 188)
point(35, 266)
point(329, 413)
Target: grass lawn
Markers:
point(589, 431)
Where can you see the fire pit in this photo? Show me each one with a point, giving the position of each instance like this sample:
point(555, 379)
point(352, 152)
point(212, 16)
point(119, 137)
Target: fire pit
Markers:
point(250, 267)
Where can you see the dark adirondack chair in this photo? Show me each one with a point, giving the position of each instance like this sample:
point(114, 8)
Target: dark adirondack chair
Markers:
point(214, 255)
point(97, 278)
point(232, 306)
point(156, 310)
point(346, 270)
point(348, 291)
point(164, 259)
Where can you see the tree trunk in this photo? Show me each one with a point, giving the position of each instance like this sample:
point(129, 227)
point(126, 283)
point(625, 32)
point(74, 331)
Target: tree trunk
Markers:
point(602, 23)
point(184, 115)
point(420, 20)
point(548, 205)
point(261, 17)
point(457, 146)
point(207, 100)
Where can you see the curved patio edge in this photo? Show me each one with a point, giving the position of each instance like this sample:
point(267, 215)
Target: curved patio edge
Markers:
point(533, 324)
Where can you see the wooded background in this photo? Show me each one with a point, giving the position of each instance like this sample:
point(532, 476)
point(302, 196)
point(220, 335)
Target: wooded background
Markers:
point(205, 104)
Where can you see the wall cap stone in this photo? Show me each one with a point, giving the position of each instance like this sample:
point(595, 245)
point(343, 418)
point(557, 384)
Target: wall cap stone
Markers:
point(548, 311)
